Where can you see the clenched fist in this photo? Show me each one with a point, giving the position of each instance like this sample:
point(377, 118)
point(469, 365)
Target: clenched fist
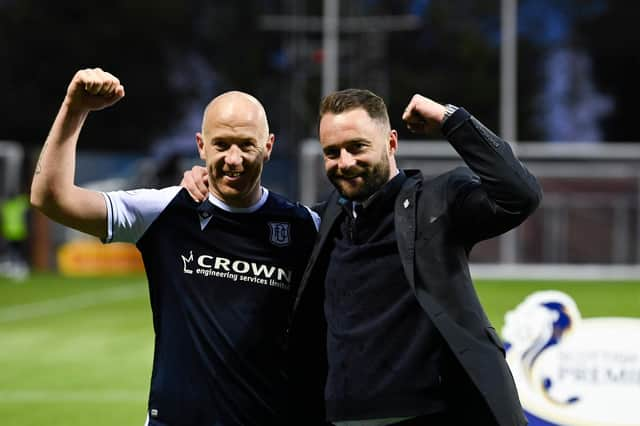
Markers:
point(423, 115)
point(93, 89)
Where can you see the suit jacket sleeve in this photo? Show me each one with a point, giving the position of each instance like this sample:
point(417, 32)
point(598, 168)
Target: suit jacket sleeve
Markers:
point(498, 193)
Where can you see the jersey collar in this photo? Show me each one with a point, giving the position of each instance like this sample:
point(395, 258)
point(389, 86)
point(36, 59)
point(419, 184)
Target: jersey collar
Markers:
point(224, 206)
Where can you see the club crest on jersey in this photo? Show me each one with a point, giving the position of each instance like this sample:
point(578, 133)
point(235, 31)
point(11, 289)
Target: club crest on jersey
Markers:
point(280, 235)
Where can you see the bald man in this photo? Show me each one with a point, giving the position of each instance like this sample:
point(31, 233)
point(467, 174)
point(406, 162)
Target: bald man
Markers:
point(222, 274)
point(235, 142)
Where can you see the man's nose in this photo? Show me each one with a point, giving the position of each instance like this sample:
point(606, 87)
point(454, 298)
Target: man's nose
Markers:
point(346, 160)
point(234, 156)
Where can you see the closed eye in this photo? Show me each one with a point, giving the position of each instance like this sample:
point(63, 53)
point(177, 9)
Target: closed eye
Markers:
point(220, 145)
point(248, 144)
point(331, 153)
point(356, 147)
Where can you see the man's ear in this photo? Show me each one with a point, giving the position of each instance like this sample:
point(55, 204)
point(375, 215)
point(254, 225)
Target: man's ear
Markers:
point(392, 145)
point(268, 146)
point(200, 143)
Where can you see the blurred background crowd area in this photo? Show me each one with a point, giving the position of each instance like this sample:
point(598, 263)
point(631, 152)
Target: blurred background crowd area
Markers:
point(569, 109)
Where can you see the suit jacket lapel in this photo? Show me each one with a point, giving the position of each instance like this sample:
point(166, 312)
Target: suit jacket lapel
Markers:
point(405, 223)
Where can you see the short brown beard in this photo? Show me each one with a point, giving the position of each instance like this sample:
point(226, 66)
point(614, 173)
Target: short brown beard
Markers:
point(373, 181)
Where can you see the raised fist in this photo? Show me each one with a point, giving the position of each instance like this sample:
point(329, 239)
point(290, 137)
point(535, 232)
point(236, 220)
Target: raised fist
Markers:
point(93, 89)
point(423, 115)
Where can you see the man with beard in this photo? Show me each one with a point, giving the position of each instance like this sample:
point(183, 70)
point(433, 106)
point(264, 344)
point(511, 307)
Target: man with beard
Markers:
point(387, 324)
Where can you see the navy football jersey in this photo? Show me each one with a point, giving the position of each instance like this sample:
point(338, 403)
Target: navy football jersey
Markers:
point(221, 281)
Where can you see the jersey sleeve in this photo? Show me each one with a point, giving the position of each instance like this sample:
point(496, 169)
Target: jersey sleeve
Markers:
point(130, 213)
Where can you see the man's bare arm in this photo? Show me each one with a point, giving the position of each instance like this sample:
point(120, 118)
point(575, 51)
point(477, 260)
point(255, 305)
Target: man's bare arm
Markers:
point(53, 190)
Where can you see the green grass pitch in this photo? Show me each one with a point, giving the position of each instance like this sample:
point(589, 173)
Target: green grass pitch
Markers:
point(77, 351)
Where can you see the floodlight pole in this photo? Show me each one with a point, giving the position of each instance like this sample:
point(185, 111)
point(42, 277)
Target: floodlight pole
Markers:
point(508, 102)
point(330, 46)
point(508, 70)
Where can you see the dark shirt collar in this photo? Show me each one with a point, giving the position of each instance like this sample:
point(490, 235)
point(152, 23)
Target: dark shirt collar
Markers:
point(383, 197)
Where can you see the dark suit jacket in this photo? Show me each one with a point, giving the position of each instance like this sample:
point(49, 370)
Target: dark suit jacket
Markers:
point(437, 221)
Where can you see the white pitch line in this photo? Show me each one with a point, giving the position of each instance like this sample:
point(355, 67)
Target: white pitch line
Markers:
point(37, 396)
point(70, 303)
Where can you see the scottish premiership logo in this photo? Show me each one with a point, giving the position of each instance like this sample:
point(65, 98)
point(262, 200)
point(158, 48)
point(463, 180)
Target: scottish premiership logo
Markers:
point(571, 370)
point(279, 234)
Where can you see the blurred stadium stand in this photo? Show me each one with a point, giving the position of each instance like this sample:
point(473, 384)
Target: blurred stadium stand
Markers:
point(13, 211)
point(11, 159)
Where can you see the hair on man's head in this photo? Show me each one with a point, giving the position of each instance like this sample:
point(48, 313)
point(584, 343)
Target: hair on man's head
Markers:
point(349, 99)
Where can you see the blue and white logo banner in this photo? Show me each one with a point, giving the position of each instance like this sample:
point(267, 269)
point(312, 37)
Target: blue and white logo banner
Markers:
point(571, 370)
